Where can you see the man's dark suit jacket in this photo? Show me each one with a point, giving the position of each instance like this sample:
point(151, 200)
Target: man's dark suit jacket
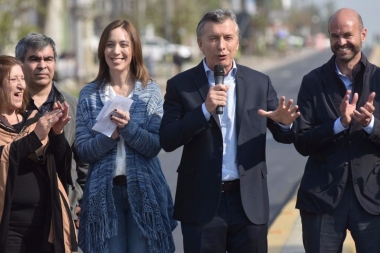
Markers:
point(199, 173)
point(335, 160)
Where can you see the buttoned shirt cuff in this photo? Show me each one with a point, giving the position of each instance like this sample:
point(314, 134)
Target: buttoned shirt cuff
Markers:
point(205, 112)
point(369, 128)
point(285, 128)
point(338, 127)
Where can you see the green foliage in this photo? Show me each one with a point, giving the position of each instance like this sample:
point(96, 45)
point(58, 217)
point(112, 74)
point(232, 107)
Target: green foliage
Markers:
point(188, 20)
point(299, 18)
point(13, 22)
point(260, 21)
point(261, 3)
point(276, 4)
point(329, 10)
point(186, 15)
point(269, 4)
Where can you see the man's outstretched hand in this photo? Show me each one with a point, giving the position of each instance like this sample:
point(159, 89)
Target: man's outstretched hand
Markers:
point(285, 113)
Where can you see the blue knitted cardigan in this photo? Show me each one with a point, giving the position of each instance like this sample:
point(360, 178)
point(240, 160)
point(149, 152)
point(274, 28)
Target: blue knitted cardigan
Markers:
point(149, 194)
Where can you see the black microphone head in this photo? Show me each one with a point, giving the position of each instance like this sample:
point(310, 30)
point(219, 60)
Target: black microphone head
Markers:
point(219, 70)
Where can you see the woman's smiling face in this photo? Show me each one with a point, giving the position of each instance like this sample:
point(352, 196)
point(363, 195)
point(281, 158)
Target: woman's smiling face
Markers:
point(14, 87)
point(118, 51)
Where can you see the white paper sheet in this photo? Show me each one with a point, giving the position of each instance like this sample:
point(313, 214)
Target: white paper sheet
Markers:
point(104, 124)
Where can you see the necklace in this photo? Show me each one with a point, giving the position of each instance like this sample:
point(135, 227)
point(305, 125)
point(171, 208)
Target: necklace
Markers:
point(125, 89)
point(121, 94)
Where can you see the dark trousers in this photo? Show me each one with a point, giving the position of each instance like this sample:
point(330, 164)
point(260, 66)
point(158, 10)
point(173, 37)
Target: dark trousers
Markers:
point(230, 230)
point(326, 233)
point(24, 240)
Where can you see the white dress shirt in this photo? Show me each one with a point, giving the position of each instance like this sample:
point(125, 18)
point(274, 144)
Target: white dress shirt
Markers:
point(121, 157)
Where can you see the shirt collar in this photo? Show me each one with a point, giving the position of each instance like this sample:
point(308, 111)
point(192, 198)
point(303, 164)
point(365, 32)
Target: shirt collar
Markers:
point(51, 96)
point(209, 72)
point(337, 69)
point(357, 69)
point(47, 105)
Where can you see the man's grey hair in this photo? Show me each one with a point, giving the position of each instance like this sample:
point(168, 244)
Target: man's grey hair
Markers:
point(35, 42)
point(217, 16)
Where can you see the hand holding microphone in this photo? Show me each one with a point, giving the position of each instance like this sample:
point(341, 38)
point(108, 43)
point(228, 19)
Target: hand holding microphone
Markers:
point(219, 78)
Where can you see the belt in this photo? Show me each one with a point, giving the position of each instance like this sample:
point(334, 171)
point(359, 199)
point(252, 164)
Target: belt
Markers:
point(230, 185)
point(120, 180)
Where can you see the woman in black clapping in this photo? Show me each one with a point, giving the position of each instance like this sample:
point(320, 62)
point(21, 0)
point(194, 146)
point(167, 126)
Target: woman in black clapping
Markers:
point(35, 157)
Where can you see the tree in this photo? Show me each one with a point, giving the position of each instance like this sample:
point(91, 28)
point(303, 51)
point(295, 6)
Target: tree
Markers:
point(14, 22)
point(304, 17)
point(181, 15)
point(269, 4)
point(330, 8)
point(188, 14)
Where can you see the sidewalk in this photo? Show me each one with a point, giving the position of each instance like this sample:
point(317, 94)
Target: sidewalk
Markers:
point(285, 234)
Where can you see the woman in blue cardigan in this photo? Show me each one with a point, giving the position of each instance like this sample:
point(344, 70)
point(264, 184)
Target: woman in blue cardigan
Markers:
point(127, 205)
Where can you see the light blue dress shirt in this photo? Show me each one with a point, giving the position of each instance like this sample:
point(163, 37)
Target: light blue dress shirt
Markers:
point(338, 127)
point(227, 124)
point(230, 169)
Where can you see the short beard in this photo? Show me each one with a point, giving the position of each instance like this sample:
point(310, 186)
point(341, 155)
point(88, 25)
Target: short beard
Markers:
point(347, 58)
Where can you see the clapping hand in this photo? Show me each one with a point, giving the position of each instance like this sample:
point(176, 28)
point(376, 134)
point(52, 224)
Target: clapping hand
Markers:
point(63, 120)
point(285, 113)
point(365, 115)
point(45, 123)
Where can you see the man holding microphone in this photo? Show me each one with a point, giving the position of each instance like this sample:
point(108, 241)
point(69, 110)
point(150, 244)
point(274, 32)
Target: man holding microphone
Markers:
point(222, 197)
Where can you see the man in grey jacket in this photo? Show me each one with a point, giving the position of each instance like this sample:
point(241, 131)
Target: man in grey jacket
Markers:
point(38, 54)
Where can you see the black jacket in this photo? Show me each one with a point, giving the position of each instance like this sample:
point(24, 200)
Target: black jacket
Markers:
point(352, 156)
point(75, 180)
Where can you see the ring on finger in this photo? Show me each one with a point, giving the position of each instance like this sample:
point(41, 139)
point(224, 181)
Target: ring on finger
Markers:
point(49, 121)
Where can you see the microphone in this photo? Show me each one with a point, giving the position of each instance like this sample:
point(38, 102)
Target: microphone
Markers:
point(219, 78)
